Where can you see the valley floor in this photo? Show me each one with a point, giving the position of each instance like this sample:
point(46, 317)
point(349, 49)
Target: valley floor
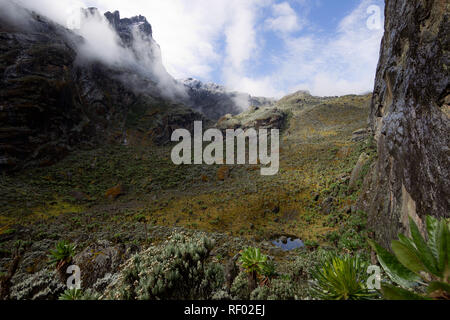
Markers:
point(134, 196)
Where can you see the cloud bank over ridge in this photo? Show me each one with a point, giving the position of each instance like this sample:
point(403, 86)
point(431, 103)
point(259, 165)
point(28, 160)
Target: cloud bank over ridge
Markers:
point(264, 47)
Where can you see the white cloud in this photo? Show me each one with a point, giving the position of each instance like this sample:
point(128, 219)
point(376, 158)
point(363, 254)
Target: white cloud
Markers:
point(242, 46)
point(338, 64)
point(262, 86)
point(102, 42)
point(58, 11)
point(284, 18)
point(188, 31)
point(341, 64)
point(201, 38)
point(346, 63)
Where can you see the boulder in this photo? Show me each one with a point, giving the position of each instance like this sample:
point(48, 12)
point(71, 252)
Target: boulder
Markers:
point(97, 260)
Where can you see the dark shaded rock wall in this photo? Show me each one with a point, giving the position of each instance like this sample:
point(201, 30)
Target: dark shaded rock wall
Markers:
point(410, 119)
point(38, 105)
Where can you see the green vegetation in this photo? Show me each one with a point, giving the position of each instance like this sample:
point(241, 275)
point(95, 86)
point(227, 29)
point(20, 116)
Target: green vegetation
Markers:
point(133, 195)
point(269, 272)
point(62, 254)
point(279, 289)
point(420, 268)
point(254, 263)
point(179, 269)
point(353, 233)
point(342, 278)
point(72, 294)
point(77, 294)
point(258, 266)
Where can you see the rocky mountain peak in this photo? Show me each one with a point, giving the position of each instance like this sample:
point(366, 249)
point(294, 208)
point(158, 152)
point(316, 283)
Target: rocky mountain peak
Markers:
point(124, 27)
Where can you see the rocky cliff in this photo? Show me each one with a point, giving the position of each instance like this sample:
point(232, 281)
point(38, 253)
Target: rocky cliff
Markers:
point(124, 27)
point(52, 99)
point(410, 119)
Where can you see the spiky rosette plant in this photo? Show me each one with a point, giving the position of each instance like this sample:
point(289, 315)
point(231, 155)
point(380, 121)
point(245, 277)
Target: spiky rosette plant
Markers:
point(63, 252)
point(419, 267)
point(78, 294)
point(341, 278)
point(61, 257)
point(268, 272)
point(254, 263)
point(72, 294)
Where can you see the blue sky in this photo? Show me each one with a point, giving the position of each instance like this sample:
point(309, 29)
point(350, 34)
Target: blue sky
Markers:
point(264, 47)
point(318, 18)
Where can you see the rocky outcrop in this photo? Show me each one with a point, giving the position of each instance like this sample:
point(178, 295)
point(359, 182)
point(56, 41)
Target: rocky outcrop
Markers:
point(215, 101)
point(256, 118)
point(356, 173)
point(98, 260)
point(410, 119)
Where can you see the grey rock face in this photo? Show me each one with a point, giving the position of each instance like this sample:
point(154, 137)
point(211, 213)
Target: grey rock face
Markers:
point(124, 27)
point(410, 119)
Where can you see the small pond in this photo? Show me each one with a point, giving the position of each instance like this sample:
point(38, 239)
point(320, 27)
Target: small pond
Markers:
point(287, 244)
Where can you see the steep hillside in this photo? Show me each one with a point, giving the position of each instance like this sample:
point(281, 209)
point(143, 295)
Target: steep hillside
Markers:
point(410, 119)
